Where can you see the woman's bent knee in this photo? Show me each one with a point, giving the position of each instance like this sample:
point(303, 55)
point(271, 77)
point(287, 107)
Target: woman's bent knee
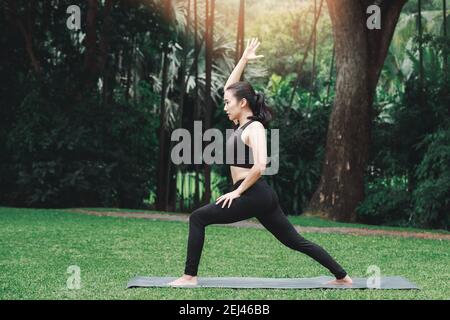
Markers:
point(194, 215)
point(197, 214)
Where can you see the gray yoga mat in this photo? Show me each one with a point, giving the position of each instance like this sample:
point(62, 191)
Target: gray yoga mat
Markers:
point(387, 282)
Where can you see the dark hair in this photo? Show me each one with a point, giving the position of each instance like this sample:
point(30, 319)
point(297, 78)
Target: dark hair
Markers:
point(256, 101)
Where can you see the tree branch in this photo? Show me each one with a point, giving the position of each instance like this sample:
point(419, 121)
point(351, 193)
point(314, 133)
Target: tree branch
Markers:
point(104, 41)
point(90, 63)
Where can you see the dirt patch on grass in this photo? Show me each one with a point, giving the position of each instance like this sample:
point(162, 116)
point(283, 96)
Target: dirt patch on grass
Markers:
point(255, 224)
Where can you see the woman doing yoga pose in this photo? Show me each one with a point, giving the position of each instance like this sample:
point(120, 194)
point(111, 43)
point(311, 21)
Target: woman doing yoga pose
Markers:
point(250, 195)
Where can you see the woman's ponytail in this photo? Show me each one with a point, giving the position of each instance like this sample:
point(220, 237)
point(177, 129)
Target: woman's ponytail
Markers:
point(260, 109)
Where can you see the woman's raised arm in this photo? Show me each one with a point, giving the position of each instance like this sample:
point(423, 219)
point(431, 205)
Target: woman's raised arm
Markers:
point(249, 54)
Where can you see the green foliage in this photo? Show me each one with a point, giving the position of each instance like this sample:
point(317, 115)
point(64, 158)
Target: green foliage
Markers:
point(411, 150)
point(432, 195)
point(302, 132)
point(63, 142)
point(88, 155)
point(402, 61)
point(285, 35)
point(386, 203)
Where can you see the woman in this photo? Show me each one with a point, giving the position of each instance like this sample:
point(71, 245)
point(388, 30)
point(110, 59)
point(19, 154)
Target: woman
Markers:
point(250, 196)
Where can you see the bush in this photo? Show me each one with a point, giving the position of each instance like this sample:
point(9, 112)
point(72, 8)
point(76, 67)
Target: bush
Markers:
point(431, 197)
point(386, 204)
point(85, 155)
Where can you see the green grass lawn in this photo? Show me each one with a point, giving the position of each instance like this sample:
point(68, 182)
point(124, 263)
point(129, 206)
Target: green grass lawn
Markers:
point(38, 246)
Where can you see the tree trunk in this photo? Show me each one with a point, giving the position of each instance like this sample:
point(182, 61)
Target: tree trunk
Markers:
point(360, 54)
point(330, 77)
point(182, 84)
point(162, 195)
point(106, 66)
point(209, 103)
point(196, 116)
point(90, 57)
point(240, 32)
point(444, 13)
point(26, 31)
point(313, 72)
point(420, 32)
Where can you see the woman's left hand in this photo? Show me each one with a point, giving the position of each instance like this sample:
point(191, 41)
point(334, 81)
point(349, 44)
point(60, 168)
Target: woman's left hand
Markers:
point(230, 196)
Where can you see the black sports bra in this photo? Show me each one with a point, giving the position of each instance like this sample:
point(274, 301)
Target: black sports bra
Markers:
point(238, 150)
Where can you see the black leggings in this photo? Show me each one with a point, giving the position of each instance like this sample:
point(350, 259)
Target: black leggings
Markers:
point(258, 201)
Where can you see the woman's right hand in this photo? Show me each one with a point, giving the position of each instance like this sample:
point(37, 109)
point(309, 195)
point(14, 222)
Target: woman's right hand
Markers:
point(250, 51)
point(249, 54)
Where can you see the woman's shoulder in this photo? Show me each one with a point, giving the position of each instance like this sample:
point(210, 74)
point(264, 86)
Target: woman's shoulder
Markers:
point(256, 124)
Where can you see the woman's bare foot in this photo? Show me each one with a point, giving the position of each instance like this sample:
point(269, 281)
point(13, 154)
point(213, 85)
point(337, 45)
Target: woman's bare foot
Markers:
point(347, 281)
point(185, 280)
